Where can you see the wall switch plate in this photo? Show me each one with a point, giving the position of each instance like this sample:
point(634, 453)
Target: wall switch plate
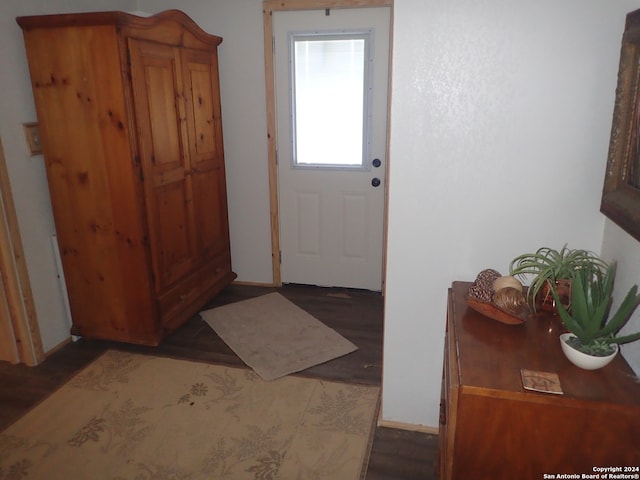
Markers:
point(32, 133)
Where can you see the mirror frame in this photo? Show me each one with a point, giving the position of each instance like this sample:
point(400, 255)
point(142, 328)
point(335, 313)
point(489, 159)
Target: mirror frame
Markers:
point(621, 200)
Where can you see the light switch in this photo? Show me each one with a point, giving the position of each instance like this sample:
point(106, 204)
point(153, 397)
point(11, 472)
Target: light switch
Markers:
point(32, 133)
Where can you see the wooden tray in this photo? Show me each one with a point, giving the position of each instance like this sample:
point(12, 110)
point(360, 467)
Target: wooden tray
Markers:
point(495, 313)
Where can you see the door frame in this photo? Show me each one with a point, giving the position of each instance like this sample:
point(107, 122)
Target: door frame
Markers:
point(268, 8)
point(22, 325)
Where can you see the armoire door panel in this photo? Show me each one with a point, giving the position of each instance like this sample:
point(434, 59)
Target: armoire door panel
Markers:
point(206, 150)
point(163, 116)
point(159, 111)
point(173, 233)
point(160, 114)
point(203, 105)
point(211, 212)
point(203, 134)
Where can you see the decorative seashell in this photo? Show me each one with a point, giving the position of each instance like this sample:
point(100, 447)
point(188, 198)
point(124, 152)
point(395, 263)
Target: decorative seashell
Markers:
point(507, 281)
point(487, 276)
point(482, 287)
point(510, 300)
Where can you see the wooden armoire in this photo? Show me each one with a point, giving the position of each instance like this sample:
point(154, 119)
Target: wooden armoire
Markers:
point(130, 125)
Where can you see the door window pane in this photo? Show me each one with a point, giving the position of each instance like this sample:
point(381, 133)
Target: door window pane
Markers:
point(330, 103)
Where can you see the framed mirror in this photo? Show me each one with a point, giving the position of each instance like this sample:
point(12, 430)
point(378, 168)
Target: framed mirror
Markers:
point(621, 191)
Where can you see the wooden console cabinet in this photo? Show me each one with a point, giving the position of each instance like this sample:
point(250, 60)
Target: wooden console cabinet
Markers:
point(492, 428)
point(131, 129)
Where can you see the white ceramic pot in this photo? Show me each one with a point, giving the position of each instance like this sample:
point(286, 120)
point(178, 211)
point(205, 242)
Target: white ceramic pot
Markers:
point(582, 360)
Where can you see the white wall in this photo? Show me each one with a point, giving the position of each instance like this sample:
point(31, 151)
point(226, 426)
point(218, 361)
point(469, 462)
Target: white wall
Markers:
point(619, 245)
point(500, 124)
point(501, 113)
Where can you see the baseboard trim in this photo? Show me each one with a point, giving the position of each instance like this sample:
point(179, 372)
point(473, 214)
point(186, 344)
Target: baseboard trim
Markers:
point(408, 426)
point(253, 284)
point(59, 346)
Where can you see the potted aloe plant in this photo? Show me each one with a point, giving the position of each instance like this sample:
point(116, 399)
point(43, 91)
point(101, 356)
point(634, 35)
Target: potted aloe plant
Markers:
point(593, 341)
point(552, 270)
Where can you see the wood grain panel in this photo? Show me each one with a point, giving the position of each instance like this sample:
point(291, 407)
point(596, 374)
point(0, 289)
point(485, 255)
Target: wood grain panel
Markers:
point(491, 427)
point(160, 115)
point(20, 330)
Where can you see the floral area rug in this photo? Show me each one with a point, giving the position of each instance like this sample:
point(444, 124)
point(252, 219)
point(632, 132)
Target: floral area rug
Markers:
point(137, 417)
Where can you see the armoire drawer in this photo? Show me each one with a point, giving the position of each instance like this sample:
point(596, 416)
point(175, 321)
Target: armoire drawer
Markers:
point(192, 288)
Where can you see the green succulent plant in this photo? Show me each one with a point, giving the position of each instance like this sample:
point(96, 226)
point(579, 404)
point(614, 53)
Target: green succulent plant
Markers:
point(549, 265)
point(589, 321)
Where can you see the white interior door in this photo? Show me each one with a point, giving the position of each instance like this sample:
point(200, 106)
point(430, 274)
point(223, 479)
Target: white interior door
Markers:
point(331, 70)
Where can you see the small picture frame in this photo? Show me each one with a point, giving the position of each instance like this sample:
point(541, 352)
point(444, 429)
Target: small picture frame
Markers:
point(32, 134)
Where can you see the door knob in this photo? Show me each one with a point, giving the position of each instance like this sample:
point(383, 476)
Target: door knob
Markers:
point(375, 182)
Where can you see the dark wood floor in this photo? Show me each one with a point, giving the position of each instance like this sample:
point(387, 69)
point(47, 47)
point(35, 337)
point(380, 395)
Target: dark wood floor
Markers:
point(357, 315)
